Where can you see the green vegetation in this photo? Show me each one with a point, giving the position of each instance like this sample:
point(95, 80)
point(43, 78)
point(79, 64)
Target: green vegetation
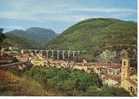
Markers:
point(2, 36)
point(107, 56)
point(13, 85)
point(21, 88)
point(19, 42)
point(34, 37)
point(72, 82)
point(96, 35)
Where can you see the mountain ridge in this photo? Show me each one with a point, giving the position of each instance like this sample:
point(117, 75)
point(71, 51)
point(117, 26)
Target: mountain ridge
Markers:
point(35, 35)
point(95, 35)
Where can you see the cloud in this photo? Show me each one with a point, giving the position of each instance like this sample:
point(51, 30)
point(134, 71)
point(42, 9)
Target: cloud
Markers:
point(106, 10)
point(66, 12)
point(57, 13)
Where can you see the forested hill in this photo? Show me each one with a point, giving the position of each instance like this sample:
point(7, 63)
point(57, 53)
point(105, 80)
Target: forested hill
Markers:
point(95, 35)
point(33, 37)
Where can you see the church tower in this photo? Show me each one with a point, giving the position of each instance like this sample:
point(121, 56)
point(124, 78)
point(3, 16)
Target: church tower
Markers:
point(124, 68)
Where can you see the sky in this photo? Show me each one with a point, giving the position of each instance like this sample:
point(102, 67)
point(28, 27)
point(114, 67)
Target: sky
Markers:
point(61, 14)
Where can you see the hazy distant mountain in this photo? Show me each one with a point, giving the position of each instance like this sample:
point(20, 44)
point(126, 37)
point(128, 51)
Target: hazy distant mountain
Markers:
point(17, 41)
point(40, 34)
point(38, 37)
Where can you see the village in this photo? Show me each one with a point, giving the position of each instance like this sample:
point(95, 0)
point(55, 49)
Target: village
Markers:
point(111, 74)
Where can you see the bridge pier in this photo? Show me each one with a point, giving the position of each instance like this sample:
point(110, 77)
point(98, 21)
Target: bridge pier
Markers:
point(52, 53)
point(47, 54)
point(73, 54)
point(69, 54)
point(63, 54)
point(78, 53)
point(58, 53)
point(41, 52)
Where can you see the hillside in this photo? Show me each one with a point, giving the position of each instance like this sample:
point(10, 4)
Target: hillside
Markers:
point(15, 85)
point(16, 41)
point(95, 35)
point(35, 37)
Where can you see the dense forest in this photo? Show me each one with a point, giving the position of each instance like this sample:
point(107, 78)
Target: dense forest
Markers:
point(97, 35)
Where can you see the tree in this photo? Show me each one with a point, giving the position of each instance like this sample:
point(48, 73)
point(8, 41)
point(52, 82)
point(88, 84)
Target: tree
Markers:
point(91, 91)
point(2, 36)
point(113, 91)
point(107, 55)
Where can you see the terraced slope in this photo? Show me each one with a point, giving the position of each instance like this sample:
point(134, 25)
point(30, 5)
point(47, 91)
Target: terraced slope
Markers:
point(12, 85)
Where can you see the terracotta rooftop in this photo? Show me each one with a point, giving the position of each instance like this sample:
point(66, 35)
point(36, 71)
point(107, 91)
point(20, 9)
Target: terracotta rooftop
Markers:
point(116, 78)
point(109, 65)
point(114, 65)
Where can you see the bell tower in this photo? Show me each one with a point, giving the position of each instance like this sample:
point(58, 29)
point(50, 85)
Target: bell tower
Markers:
point(124, 68)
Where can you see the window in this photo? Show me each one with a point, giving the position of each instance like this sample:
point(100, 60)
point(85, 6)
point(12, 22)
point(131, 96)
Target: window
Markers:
point(124, 62)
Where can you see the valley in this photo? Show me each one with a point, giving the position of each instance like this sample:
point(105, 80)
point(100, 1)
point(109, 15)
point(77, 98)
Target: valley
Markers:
point(95, 57)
